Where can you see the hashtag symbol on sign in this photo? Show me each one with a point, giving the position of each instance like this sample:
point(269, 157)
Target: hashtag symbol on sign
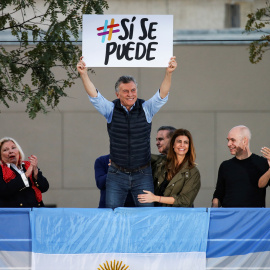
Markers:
point(107, 30)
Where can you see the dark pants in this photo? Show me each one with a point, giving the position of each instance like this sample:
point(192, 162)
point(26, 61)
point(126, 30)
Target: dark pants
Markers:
point(119, 183)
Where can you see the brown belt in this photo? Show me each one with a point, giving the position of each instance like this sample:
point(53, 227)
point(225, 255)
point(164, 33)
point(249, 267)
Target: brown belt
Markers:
point(127, 170)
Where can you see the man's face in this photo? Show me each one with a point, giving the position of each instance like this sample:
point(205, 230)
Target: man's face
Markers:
point(163, 142)
point(236, 142)
point(127, 94)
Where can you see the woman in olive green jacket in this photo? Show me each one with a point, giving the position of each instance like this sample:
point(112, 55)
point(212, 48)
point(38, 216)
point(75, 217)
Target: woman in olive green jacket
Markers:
point(176, 178)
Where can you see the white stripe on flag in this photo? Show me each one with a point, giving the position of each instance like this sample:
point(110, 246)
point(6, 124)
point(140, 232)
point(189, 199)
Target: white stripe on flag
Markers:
point(132, 261)
point(258, 260)
point(15, 260)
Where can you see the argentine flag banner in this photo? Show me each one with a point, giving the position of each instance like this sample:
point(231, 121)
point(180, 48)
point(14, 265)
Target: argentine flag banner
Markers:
point(124, 239)
point(15, 239)
point(239, 239)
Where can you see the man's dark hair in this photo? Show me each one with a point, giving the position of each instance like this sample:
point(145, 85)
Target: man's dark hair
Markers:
point(168, 128)
point(124, 79)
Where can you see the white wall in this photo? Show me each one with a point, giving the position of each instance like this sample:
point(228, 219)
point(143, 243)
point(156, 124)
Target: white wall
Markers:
point(214, 89)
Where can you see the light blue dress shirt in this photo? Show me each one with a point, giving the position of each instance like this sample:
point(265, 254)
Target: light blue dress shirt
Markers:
point(150, 106)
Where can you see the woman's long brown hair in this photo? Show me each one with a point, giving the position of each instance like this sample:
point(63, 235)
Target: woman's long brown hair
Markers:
point(172, 166)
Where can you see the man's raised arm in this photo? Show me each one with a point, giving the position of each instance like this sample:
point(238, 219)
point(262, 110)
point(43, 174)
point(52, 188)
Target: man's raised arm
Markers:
point(88, 85)
point(166, 84)
point(264, 179)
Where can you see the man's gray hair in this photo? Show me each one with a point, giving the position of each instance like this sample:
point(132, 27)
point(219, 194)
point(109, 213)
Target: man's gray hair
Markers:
point(168, 128)
point(124, 79)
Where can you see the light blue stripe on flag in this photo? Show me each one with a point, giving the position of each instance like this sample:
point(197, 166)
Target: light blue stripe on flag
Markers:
point(238, 231)
point(15, 234)
point(125, 230)
point(15, 239)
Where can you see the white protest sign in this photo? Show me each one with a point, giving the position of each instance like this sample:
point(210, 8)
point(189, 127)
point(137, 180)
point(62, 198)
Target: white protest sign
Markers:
point(127, 40)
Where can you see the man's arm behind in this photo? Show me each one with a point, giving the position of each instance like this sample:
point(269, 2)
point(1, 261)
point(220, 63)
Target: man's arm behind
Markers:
point(101, 169)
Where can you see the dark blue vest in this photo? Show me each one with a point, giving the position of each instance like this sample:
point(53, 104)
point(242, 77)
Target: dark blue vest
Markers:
point(129, 136)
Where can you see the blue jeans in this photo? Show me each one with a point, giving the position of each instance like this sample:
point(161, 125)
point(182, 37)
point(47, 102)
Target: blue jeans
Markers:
point(118, 184)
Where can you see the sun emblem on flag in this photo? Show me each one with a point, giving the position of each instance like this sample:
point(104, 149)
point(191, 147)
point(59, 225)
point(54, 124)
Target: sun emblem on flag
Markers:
point(113, 266)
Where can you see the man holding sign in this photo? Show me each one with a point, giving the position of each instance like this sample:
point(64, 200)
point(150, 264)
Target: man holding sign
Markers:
point(129, 122)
